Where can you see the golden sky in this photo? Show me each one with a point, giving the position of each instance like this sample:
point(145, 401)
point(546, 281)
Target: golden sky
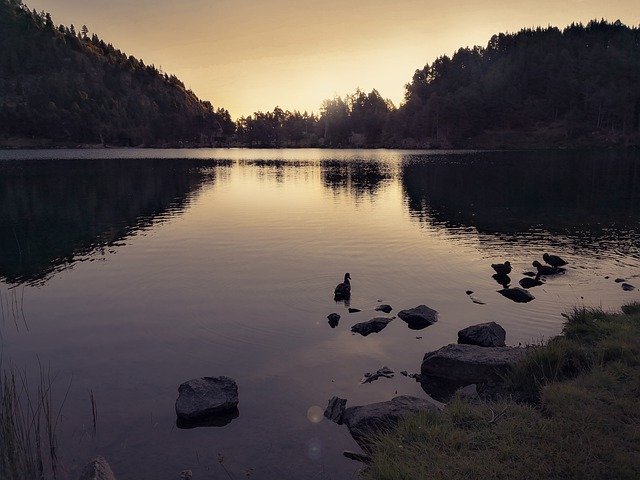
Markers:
point(248, 55)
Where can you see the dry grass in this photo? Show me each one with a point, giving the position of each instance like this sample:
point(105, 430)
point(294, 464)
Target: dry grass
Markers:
point(584, 422)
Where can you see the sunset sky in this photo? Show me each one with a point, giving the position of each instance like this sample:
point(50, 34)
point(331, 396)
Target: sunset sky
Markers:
point(248, 55)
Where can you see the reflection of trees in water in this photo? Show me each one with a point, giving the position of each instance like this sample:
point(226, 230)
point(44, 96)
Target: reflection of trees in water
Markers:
point(358, 178)
point(587, 196)
point(52, 212)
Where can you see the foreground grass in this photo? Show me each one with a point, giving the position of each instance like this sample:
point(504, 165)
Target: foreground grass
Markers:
point(27, 428)
point(575, 415)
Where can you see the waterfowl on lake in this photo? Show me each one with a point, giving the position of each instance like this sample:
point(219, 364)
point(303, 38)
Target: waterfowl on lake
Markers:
point(502, 268)
point(554, 260)
point(504, 280)
point(343, 290)
point(546, 269)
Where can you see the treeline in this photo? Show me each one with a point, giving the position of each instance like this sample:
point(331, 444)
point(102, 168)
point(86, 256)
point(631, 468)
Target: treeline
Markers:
point(536, 88)
point(65, 85)
point(541, 87)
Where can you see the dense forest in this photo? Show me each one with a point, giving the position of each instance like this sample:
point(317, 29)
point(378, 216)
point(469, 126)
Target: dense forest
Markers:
point(61, 84)
point(540, 88)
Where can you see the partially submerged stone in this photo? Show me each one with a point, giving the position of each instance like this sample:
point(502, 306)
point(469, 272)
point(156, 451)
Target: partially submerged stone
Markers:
point(419, 317)
point(384, 308)
point(374, 325)
point(365, 421)
point(97, 469)
point(354, 310)
point(467, 364)
point(206, 397)
point(517, 294)
point(335, 409)
point(385, 372)
point(484, 335)
point(334, 319)
point(627, 287)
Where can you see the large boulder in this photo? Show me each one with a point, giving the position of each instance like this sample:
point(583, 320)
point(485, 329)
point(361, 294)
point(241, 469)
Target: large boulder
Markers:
point(467, 364)
point(484, 335)
point(374, 325)
point(206, 397)
point(365, 421)
point(419, 317)
point(97, 469)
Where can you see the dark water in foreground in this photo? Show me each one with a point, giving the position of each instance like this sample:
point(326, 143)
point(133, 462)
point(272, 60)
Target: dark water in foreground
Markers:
point(128, 275)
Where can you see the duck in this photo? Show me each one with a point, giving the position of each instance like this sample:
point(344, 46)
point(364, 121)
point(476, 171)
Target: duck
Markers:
point(343, 290)
point(554, 260)
point(502, 268)
point(545, 269)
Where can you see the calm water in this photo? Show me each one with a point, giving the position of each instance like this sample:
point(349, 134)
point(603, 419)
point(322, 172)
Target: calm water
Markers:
point(127, 275)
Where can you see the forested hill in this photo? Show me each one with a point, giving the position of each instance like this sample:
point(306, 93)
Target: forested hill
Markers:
point(577, 84)
point(65, 86)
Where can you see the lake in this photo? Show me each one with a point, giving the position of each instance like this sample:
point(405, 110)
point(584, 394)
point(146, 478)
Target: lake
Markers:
point(128, 272)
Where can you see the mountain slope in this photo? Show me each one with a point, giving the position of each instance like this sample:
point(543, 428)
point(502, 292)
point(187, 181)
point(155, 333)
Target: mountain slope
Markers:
point(68, 87)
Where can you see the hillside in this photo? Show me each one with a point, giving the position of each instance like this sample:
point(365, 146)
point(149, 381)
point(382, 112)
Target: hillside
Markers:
point(62, 86)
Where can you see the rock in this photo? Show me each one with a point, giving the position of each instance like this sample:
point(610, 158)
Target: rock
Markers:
point(97, 469)
point(476, 300)
point(385, 372)
point(358, 457)
point(527, 282)
point(374, 325)
point(627, 287)
point(517, 294)
point(469, 292)
point(206, 397)
point(619, 280)
point(469, 393)
point(467, 364)
point(367, 420)
point(186, 475)
point(419, 317)
point(334, 319)
point(384, 308)
point(335, 409)
point(484, 335)
point(354, 310)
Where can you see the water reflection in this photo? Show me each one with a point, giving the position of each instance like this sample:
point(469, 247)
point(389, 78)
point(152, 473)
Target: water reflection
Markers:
point(55, 213)
point(594, 198)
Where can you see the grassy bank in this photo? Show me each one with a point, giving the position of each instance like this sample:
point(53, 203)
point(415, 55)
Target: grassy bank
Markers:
point(575, 414)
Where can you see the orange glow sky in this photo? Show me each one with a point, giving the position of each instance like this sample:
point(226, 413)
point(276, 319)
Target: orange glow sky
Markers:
point(248, 55)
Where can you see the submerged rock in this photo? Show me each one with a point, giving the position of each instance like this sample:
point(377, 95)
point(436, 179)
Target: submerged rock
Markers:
point(530, 282)
point(517, 294)
point(367, 420)
point(619, 280)
point(484, 335)
point(206, 397)
point(467, 364)
point(97, 469)
point(374, 325)
point(358, 457)
point(186, 475)
point(627, 287)
point(419, 317)
point(385, 372)
point(384, 308)
point(354, 310)
point(469, 292)
point(335, 409)
point(334, 319)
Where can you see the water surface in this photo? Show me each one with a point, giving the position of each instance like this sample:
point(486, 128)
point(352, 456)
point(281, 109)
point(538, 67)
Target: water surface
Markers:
point(128, 272)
